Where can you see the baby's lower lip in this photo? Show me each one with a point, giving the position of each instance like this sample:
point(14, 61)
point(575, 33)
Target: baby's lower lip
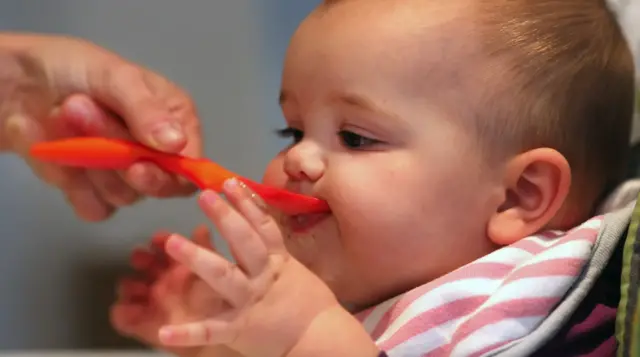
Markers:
point(304, 222)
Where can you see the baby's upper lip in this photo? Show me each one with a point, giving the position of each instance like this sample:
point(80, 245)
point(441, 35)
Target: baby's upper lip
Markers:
point(303, 188)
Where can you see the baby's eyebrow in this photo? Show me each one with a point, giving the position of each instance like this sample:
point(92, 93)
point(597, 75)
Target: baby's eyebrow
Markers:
point(355, 100)
point(351, 100)
point(363, 103)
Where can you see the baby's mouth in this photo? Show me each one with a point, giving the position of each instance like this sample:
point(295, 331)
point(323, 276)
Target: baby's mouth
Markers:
point(302, 223)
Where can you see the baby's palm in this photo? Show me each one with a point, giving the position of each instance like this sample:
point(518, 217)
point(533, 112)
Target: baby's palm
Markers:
point(168, 293)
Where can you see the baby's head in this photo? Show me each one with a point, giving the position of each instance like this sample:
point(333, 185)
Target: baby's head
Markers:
point(440, 131)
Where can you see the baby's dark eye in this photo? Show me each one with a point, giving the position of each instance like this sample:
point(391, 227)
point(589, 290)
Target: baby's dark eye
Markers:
point(291, 133)
point(356, 141)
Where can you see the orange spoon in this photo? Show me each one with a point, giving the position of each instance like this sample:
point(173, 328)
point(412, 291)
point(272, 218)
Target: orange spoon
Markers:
point(102, 153)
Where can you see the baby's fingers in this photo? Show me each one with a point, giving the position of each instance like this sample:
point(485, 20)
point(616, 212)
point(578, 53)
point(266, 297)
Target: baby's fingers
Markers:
point(202, 237)
point(159, 239)
point(202, 333)
point(132, 290)
point(244, 242)
point(151, 264)
point(221, 275)
point(125, 318)
point(251, 207)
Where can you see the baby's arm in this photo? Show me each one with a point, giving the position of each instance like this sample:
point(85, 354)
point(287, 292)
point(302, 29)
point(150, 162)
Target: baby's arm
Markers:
point(335, 332)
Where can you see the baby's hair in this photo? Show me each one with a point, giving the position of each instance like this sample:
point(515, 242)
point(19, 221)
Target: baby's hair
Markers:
point(567, 82)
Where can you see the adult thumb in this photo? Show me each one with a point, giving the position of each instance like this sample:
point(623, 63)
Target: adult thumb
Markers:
point(143, 104)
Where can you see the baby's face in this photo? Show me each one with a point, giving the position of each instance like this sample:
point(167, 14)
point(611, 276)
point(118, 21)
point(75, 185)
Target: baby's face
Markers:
point(409, 192)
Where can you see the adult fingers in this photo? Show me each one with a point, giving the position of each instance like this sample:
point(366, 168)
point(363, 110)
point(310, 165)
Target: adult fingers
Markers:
point(151, 180)
point(156, 111)
point(146, 178)
point(21, 133)
point(83, 114)
point(26, 132)
point(182, 108)
point(112, 188)
point(125, 89)
point(86, 202)
point(84, 196)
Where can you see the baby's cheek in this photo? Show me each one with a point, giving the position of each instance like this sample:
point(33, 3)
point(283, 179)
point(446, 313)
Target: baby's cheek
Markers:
point(274, 174)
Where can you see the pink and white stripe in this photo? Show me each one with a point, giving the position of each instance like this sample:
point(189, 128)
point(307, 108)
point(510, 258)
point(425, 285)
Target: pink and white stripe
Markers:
point(482, 306)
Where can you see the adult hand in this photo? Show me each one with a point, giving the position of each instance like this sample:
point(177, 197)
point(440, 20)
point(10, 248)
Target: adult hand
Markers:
point(55, 87)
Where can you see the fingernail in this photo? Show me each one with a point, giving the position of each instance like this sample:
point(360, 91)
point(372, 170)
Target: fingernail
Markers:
point(208, 197)
point(254, 196)
point(165, 334)
point(14, 127)
point(231, 185)
point(174, 244)
point(80, 110)
point(167, 135)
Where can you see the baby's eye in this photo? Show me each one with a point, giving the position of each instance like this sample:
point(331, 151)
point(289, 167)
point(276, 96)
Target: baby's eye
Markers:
point(291, 133)
point(355, 141)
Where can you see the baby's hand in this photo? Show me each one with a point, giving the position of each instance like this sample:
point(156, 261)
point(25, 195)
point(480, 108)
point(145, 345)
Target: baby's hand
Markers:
point(165, 293)
point(276, 306)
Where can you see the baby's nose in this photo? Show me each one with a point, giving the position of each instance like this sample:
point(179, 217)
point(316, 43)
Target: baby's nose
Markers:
point(304, 161)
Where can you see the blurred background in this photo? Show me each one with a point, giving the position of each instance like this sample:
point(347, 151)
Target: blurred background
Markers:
point(57, 273)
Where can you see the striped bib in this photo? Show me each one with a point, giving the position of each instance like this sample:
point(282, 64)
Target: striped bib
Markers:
point(493, 301)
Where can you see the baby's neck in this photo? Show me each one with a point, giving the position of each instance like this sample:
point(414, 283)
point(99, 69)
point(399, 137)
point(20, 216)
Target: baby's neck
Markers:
point(352, 308)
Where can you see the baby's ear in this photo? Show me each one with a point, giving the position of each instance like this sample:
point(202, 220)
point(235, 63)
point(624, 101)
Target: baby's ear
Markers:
point(536, 185)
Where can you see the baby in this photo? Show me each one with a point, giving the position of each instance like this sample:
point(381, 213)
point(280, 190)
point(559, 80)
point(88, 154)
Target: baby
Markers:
point(463, 147)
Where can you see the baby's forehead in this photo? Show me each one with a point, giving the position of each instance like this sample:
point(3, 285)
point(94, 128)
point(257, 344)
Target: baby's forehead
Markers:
point(421, 36)
point(395, 13)
point(389, 49)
